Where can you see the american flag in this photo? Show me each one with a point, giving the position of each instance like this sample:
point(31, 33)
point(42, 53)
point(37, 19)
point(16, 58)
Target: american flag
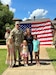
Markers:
point(43, 31)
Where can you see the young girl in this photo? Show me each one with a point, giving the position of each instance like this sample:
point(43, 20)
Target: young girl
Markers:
point(10, 56)
point(36, 44)
point(24, 52)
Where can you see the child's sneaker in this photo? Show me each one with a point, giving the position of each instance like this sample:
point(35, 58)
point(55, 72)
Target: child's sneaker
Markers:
point(25, 64)
point(38, 64)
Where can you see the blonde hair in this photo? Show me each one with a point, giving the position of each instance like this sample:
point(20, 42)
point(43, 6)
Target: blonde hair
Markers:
point(24, 41)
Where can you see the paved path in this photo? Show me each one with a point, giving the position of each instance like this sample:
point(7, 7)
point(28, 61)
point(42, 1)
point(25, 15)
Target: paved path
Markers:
point(45, 68)
point(3, 47)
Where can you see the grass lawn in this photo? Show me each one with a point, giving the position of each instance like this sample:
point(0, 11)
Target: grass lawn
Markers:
point(3, 66)
point(52, 55)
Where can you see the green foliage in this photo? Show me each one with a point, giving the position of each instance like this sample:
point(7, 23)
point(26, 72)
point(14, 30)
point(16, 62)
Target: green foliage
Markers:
point(6, 17)
point(52, 55)
point(3, 66)
point(11, 26)
point(8, 25)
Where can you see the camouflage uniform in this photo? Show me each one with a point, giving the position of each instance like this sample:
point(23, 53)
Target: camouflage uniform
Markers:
point(17, 38)
point(54, 36)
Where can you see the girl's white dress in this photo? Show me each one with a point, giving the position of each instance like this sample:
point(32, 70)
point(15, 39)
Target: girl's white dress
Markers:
point(25, 51)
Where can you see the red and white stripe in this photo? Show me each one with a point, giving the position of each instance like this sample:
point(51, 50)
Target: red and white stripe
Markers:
point(43, 31)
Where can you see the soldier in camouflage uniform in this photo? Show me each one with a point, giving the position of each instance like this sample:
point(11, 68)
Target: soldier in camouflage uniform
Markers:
point(18, 37)
point(54, 37)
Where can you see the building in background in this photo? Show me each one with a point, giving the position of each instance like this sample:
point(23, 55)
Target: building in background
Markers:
point(42, 27)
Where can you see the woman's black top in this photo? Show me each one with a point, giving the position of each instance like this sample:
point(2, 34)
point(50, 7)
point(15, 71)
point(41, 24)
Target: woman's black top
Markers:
point(28, 39)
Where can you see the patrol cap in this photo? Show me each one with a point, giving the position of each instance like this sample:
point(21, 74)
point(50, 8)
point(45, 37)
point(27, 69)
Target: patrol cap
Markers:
point(17, 22)
point(8, 28)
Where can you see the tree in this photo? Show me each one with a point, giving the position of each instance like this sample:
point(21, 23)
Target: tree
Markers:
point(6, 16)
point(8, 25)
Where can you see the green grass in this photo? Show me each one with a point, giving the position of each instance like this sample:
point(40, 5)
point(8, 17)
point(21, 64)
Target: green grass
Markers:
point(3, 66)
point(52, 55)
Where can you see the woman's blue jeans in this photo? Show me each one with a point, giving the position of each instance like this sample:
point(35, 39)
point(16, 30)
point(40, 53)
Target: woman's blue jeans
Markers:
point(30, 48)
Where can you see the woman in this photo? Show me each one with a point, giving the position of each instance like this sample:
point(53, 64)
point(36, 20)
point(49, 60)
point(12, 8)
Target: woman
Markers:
point(29, 39)
point(7, 33)
point(10, 44)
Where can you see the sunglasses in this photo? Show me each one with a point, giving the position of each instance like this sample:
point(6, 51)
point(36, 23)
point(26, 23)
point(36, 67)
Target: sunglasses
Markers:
point(17, 24)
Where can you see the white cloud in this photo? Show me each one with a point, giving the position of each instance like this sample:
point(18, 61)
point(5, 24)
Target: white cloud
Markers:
point(9, 2)
point(38, 13)
point(24, 19)
point(12, 9)
point(6, 2)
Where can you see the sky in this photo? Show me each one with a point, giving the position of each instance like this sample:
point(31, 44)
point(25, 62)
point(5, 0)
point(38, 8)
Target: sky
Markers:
point(27, 9)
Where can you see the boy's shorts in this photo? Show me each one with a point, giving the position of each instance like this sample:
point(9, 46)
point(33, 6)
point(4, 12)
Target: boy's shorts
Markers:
point(36, 53)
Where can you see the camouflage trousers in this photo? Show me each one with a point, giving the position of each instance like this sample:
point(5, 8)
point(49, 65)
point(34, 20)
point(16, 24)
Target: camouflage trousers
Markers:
point(17, 52)
point(54, 40)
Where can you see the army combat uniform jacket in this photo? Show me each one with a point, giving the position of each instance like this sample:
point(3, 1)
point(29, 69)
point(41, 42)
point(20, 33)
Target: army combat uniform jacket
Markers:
point(17, 35)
